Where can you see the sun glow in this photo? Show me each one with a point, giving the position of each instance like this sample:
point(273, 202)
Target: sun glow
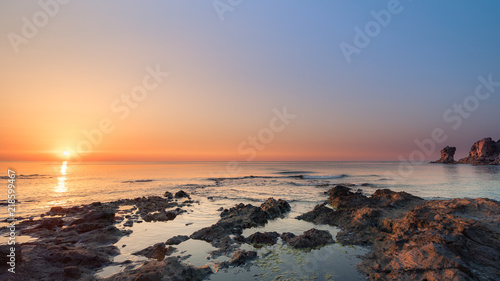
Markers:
point(66, 153)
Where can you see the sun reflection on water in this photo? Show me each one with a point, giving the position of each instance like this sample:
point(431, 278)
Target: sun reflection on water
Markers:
point(61, 181)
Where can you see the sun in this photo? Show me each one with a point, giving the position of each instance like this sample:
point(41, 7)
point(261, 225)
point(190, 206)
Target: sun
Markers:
point(66, 153)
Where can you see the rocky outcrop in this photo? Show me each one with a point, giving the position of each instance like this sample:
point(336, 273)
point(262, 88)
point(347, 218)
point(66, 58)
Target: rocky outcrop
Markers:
point(413, 239)
point(310, 239)
point(241, 216)
point(483, 152)
point(447, 155)
point(72, 243)
point(263, 238)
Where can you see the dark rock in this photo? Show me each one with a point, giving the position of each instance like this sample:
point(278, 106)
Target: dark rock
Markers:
point(51, 223)
point(275, 208)
point(72, 272)
point(263, 238)
point(75, 256)
point(181, 194)
point(241, 216)
point(447, 155)
point(286, 236)
point(161, 216)
point(241, 257)
point(157, 251)
point(176, 240)
point(170, 269)
point(311, 239)
point(168, 195)
point(5, 250)
point(129, 223)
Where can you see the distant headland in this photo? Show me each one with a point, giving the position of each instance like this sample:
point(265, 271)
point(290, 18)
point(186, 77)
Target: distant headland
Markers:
point(483, 152)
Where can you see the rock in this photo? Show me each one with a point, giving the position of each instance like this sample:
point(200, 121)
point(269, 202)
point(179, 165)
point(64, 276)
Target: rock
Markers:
point(483, 152)
point(51, 223)
point(161, 216)
point(176, 240)
point(447, 155)
point(263, 238)
point(455, 239)
point(168, 195)
point(76, 256)
point(170, 269)
point(72, 272)
point(157, 251)
point(310, 239)
point(129, 223)
point(241, 257)
point(360, 217)
point(6, 250)
point(414, 239)
point(286, 236)
point(275, 208)
point(181, 194)
point(242, 216)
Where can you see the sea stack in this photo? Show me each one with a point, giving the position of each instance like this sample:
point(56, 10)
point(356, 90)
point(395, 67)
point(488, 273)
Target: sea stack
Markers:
point(483, 152)
point(447, 155)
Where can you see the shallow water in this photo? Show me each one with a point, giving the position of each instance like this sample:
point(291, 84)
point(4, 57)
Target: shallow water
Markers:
point(40, 186)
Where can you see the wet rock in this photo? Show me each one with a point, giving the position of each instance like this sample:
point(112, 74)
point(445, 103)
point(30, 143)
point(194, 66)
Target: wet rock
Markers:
point(263, 238)
point(483, 152)
point(321, 214)
point(176, 240)
point(275, 208)
point(447, 155)
point(129, 223)
point(311, 239)
point(239, 217)
point(168, 195)
point(242, 257)
point(170, 269)
point(72, 272)
point(75, 256)
point(161, 216)
point(51, 223)
point(181, 194)
point(157, 251)
point(286, 236)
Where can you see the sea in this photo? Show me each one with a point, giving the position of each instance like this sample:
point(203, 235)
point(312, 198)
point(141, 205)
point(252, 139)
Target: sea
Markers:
point(41, 185)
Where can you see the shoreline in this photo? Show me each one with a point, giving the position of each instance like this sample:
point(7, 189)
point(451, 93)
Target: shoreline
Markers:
point(77, 241)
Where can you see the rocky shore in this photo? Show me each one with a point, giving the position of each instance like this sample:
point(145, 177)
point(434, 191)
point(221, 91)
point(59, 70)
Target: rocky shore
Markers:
point(409, 238)
point(415, 239)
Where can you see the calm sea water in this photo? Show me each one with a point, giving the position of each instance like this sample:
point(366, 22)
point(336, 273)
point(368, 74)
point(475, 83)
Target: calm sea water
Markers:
point(40, 186)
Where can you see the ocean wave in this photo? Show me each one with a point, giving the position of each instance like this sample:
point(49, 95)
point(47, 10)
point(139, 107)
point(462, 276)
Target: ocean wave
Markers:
point(294, 172)
point(331, 177)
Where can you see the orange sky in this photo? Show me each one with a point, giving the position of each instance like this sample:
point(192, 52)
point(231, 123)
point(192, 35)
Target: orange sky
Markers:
point(98, 62)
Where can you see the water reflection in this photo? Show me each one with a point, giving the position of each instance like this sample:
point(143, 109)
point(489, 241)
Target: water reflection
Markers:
point(61, 181)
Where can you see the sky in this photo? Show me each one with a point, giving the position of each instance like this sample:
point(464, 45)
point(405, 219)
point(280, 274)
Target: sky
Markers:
point(247, 80)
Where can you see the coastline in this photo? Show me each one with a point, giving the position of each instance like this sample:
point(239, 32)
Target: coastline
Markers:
point(408, 237)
